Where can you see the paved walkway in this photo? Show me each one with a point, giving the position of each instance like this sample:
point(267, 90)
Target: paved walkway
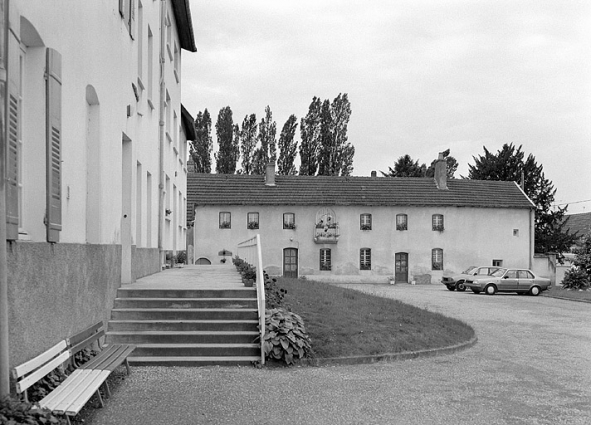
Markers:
point(192, 277)
point(530, 366)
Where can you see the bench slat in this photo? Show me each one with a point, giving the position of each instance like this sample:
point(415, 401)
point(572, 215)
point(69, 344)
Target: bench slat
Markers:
point(25, 383)
point(110, 358)
point(81, 336)
point(65, 389)
point(86, 381)
point(86, 342)
point(34, 363)
point(81, 400)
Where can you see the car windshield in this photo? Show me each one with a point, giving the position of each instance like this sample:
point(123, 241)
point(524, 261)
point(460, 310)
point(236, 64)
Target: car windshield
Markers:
point(469, 269)
point(498, 273)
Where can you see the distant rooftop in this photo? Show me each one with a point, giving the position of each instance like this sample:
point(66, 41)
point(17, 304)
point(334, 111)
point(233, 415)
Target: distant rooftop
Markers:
point(579, 223)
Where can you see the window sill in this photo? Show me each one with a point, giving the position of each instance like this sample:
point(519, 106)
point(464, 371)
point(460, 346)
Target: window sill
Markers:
point(176, 76)
point(24, 236)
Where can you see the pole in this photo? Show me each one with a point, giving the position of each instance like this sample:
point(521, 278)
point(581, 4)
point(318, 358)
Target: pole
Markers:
point(4, 352)
point(162, 86)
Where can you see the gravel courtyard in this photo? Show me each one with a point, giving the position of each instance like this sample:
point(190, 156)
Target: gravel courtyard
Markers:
point(531, 365)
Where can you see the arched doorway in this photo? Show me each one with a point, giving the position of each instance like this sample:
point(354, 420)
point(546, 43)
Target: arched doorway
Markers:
point(203, 261)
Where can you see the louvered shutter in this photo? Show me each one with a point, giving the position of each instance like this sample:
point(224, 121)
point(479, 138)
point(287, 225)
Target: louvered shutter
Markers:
point(12, 135)
point(53, 139)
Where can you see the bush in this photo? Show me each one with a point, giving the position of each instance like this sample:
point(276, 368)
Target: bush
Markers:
point(274, 294)
point(46, 385)
point(285, 338)
point(575, 278)
point(15, 411)
point(181, 257)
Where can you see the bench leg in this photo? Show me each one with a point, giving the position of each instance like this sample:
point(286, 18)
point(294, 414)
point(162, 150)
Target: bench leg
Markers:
point(68, 419)
point(127, 366)
point(107, 389)
point(100, 399)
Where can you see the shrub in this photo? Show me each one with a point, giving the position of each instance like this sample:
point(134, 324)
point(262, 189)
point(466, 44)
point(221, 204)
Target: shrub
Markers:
point(15, 411)
point(274, 294)
point(285, 338)
point(181, 257)
point(46, 385)
point(575, 278)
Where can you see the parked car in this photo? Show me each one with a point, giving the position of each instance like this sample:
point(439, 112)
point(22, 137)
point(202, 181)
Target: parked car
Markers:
point(522, 281)
point(458, 281)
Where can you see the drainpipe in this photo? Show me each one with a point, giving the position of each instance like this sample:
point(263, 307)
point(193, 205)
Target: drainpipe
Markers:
point(161, 133)
point(4, 352)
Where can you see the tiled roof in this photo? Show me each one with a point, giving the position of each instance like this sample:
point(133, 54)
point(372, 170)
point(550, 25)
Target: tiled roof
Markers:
point(232, 189)
point(184, 23)
point(579, 223)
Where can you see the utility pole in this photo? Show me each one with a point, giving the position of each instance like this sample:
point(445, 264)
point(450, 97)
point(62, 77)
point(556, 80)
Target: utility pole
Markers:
point(4, 352)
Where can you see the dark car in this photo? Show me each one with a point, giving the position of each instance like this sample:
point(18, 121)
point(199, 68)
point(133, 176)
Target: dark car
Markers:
point(522, 281)
point(458, 281)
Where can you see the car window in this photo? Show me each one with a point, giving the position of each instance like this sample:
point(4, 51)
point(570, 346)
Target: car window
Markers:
point(512, 274)
point(525, 274)
point(469, 270)
point(498, 273)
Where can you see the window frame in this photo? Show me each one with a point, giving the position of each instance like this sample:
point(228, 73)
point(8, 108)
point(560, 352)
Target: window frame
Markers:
point(225, 224)
point(365, 221)
point(289, 224)
point(250, 218)
point(402, 226)
point(497, 263)
point(437, 222)
point(435, 253)
point(365, 259)
point(325, 259)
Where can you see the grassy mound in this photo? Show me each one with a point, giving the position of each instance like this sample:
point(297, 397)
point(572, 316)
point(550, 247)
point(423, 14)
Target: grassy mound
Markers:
point(342, 322)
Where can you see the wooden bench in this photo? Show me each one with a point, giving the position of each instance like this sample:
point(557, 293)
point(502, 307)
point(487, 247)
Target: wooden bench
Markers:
point(86, 379)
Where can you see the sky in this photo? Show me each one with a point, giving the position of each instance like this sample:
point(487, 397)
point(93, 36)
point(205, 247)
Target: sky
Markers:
point(422, 76)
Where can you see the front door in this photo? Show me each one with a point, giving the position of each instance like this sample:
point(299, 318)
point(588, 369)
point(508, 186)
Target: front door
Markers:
point(401, 267)
point(290, 262)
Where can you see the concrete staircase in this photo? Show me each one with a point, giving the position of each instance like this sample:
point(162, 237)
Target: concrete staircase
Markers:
point(187, 327)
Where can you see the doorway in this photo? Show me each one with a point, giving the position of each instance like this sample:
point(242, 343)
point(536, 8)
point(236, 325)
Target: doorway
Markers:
point(401, 267)
point(290, 263)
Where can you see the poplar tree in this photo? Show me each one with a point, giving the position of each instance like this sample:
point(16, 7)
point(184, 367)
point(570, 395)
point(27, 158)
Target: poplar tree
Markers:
point(335, 152)
point(288, 147)
point(267, 150)
point(248, 141)
point(228, 153)
point(310, 139)
point(200, 148)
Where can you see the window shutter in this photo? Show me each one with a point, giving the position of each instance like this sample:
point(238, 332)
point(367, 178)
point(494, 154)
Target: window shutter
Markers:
point(53, 139)
point(12, 128)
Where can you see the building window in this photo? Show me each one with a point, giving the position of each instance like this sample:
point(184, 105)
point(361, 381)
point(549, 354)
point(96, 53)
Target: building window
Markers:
point(401, 222)
point(365, 221)
point(515, 232)
point(289, 221)
point(438, 222)
point(225, 220)
point(252, 220)
point(437, 259)
point(365, 259)
point(325, 259)
point(497, 263)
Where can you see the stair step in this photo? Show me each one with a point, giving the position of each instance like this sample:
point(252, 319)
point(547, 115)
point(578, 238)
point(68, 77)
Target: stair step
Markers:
point(186, 293)
point(187, 314)
point(186, 303)
point(182, 325)
point(196, 350)
point(182, 337)
point(193, 360)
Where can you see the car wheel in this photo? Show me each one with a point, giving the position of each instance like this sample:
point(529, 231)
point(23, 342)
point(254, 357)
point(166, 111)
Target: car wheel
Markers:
point(460, 286)
point(476, 291)
point(490, 290)
point(451, 288)
point(535, 290)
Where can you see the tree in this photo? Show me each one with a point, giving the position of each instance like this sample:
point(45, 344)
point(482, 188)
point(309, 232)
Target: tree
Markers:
point(267, 150)
point(310, 139)
point(248, 140)
point(201, 147)
point(579, 277)
point(451, 164)
point(508, 164)
point(288, 147)
point(335, 153)
point(406, 167)
point(228, 153)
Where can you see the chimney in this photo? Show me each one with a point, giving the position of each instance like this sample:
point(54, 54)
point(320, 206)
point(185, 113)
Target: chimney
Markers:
point(270, 174)
point(374, 174)
point(441, 172)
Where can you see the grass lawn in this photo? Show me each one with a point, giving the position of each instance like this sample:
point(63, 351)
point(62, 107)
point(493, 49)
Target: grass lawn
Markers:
point(342, 322)
point(558, 291)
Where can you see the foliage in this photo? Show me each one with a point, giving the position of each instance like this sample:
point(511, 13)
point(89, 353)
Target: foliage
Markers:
point(285, 337)
point(583, 254)
point(576, 278)
point(335, 154)
point(508, 164)
point(228, 153)
point(288, 147)
point(47, 384)
point(406, 167)
point(181, 257)
point(15, 411)
point(310, 139)
point(245, 269)
point(451, 166)
point(267, 151)
point(274, 294)
point(248, 141)
point(201, 147)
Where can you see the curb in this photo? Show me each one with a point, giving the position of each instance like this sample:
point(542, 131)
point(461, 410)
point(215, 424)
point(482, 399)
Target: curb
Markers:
point(567, 299)
point(406, 355)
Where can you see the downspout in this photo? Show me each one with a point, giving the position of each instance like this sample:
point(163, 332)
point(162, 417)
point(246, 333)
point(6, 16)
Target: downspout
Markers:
point(161, 134)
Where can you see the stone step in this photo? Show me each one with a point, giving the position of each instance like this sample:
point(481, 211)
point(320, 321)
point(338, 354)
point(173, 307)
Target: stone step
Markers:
point(194, 361)
point(182, 337)
point(185, 303)
point(183, 325)
point(197, 350)
point(184, 314)
point(186, 293)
